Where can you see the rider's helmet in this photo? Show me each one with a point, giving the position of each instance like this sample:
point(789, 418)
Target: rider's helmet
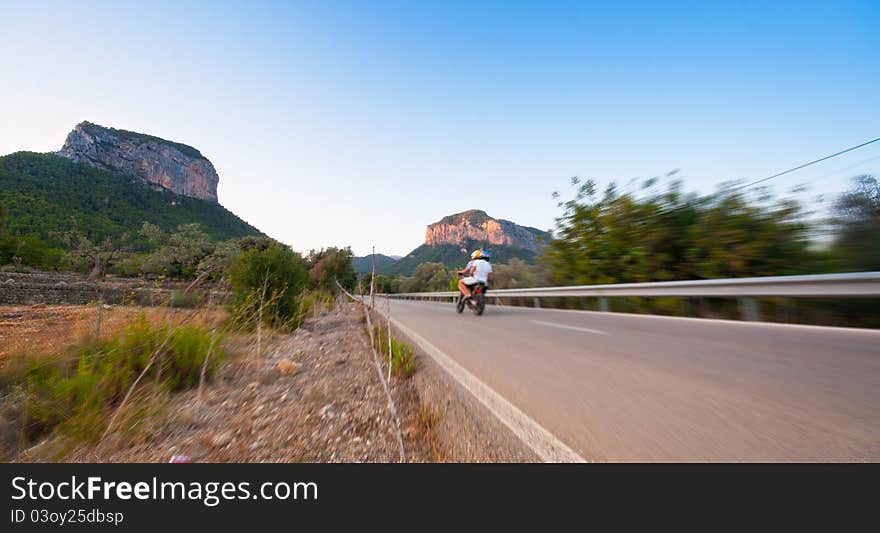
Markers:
point(477, 254)
point(486, 255)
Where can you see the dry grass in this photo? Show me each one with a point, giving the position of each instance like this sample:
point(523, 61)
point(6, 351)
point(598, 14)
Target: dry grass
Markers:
point(429, 419)
point(43, 330)
point(136, 422)
point(67, 391)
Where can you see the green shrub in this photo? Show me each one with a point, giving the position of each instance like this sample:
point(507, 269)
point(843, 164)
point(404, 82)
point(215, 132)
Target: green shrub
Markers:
point(329, 265)
point(272, 279)
point(403, 356)
point(33, 251)
point(313, 302)
point(180, 299)
point(186, 353)
point(130, 265)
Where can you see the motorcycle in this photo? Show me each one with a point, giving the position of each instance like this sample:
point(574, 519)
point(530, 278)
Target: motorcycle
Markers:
point(477, 301)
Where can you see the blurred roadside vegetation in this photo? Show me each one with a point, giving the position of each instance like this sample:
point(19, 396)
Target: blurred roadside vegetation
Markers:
point(617, 237)
point(669, 235)
point(659, 232)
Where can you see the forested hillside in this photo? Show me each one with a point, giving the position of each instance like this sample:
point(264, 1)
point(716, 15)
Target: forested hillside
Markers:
point(452, 256)
point(364, 264)
point(43, 194)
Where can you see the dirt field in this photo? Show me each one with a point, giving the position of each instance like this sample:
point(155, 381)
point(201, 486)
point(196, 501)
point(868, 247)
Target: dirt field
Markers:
point(41, 330)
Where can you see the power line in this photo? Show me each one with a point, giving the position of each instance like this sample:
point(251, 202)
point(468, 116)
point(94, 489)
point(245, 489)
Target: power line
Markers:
point(850, 149)
point(847, 168)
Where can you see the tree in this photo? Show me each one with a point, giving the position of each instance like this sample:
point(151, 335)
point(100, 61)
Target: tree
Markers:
point(427, 277)
point(857, 218)
point(179, 254)
point(617, 238)
point(384, 284)
point(26, 249)
point(96, 257)
point(218, 263)
point(270, 280)
point(29, 250)
point(329, 265)
point(517, 274)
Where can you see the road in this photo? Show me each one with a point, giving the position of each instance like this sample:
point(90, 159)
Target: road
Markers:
point(621, 387)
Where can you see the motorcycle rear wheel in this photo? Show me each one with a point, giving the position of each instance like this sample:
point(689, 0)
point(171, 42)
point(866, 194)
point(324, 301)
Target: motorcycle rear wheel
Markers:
point(479, 304)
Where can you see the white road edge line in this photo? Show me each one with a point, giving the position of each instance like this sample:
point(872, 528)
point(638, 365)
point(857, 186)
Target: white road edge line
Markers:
point(575, 328)
point(545, 445)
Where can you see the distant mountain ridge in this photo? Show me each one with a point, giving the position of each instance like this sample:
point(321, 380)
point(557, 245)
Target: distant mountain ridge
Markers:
point(176, 167)
point(476, 226)
point(364, 264)
point(451, 240)
point(454, 256)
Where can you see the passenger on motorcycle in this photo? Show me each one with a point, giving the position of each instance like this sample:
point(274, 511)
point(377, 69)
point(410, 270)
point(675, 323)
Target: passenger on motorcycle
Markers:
point(478, 270)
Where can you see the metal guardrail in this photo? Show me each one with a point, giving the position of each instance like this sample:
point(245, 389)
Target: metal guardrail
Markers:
point(850, 285)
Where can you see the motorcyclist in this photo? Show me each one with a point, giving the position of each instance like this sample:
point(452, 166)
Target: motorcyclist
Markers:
point(466, 272)
point(478, 270)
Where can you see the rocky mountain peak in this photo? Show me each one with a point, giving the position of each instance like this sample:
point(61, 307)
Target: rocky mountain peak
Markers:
point(163, 164)
point(476, 225)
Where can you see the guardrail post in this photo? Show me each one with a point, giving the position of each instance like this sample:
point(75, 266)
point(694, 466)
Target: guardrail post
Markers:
point(537, 302)
point(603, 304)
point(748, 309)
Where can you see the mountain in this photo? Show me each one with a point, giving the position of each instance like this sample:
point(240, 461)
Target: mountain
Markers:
point(477, 226)
point(453, 256)
point(44, 193)
point(364, 264)
point(451, 240)
point(162, 164)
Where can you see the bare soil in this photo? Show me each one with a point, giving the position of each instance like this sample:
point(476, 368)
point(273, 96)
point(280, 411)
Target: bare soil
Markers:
point(45, 329)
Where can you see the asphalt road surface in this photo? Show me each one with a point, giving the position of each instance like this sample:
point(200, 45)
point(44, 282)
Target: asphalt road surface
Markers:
point(621, 387)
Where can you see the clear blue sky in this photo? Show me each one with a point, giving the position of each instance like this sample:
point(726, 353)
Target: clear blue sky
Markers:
point(354, 123)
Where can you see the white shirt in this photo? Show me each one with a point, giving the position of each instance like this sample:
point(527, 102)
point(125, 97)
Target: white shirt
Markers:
point(482, 269)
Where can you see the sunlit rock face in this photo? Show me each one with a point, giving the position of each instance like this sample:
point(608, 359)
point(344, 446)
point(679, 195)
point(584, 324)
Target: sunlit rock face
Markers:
point(475, 225)
point(163, 164)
